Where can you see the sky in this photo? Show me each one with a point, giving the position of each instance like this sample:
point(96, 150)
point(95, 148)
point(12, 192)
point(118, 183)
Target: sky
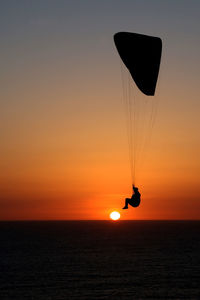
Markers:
point(64, 150)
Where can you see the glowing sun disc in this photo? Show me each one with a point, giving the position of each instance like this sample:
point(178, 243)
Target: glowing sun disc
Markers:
point(115, 215)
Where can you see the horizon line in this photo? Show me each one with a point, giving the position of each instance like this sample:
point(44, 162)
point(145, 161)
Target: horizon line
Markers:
point(98, 220)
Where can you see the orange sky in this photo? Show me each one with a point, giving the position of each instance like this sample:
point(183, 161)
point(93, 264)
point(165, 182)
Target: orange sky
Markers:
point(64, 151)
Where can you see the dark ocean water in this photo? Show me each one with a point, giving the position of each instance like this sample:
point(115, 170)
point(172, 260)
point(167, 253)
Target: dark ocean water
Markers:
point(100, 260)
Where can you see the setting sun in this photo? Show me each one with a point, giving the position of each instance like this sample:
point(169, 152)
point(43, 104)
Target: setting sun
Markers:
point(115, 215)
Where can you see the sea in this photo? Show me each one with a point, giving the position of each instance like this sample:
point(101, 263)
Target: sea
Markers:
point(63, 260)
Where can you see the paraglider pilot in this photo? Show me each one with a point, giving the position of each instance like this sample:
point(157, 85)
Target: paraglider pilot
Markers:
point(134, 200)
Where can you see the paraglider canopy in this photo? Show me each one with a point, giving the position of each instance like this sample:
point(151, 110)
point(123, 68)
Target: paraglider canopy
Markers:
point(141, 54)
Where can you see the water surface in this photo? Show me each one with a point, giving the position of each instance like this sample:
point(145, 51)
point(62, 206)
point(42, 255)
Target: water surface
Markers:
point(100, 260)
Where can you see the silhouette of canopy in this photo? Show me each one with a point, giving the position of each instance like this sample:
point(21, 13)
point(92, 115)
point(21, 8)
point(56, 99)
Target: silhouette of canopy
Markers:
point(141, 54)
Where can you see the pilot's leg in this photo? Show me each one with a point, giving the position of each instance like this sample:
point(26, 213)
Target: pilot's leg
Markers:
point(126, 203)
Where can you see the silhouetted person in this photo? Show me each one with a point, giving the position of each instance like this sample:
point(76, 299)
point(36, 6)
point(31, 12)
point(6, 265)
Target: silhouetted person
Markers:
point(134, 200)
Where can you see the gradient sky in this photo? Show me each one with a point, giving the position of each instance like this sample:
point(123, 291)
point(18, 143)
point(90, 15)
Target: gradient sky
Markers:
point(63, 139)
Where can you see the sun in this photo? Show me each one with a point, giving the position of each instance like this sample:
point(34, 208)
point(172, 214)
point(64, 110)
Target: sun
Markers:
point(115, 215)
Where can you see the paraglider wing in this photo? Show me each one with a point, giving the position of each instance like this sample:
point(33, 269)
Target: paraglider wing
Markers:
point(141, 54)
